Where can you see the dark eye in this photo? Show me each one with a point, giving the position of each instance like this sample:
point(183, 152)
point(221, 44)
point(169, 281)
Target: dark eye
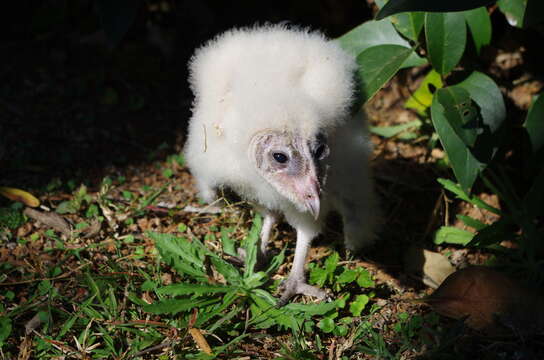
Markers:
point(321, 152)
point(280, 157)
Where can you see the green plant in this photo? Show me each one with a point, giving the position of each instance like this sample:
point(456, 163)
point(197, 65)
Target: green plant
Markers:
point(213, 301)
point(464, 109)
point(79, 199)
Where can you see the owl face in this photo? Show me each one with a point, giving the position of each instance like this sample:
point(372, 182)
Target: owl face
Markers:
point(292, 165)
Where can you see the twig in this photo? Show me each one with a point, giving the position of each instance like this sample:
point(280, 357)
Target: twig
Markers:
point(62, 276)
point(153, 348)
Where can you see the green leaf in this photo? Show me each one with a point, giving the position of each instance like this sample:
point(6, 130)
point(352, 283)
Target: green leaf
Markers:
point(264, 313)
point(347, 276)
point(487, 95)
point(493, 234)
point(230, 272)
point(193, 289)
point(514, 10)
point(67, 207)
point(255, 280)
point(365, 279)
point(409, 24)
point(358, 305)
point(466, 160)
point(314, 309)
point(422, 98)
point(186, 257)
point(250, 246)
point(469, 221)
point(331, 262)
point(65, 327)
point(318, 276)
point(370, 34)
point(458, 191)
point(377, 65)
point(534, 124)
point(228, 244)
point(461, 113)
point(174, 306)
point(446, 39)
point(376, 33)
point(11, 218)
point(340, 330)
point(5, 329)
point(398, 6)
point(479, 24)
point(452, 235)
point(276, 262)
point(326, 325)
point(390, 131)
point(465, 166)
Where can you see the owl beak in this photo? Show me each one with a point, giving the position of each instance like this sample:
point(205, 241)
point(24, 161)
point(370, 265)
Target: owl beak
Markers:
point(311, 192)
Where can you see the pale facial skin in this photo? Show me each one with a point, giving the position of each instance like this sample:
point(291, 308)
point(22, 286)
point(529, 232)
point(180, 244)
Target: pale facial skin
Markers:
point(292, 166)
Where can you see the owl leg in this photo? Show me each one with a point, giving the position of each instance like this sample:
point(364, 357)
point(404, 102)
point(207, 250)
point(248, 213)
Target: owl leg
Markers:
point(296, 281)
point(270, 218)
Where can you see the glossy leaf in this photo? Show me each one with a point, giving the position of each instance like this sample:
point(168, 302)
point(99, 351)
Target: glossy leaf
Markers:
point(397, 6)
point(422, 98)
point(485, 92)
point(377, 65)
point(465, 166)
point(514, 10)
point(479, 24)
point(446, 39)
point(409, 24)
point(461, 113)
point(375, 33)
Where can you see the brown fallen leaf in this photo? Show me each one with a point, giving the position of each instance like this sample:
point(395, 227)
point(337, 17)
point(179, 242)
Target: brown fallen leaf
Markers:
point(25, 348)
point(489, 300)
point(51, 219)
point(433, 267)
point(19, 195)
point(200, 340)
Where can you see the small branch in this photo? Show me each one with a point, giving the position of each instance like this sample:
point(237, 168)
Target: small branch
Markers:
point(62, 276)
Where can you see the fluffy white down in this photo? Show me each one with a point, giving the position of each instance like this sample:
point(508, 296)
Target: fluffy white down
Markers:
point(271, 77)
